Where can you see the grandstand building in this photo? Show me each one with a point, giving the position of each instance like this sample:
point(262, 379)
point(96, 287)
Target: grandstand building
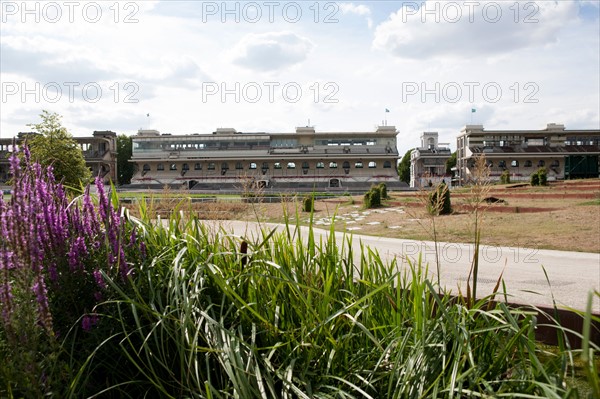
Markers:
point(227, 158)
point(428, 162)
point(566, 154)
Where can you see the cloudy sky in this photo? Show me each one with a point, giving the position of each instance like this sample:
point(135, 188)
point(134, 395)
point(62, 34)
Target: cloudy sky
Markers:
point(189, 67)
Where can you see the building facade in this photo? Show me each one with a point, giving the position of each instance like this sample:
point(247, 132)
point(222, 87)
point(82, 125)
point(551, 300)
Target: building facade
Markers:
point(428, 162)
point(99, 152)
point(566, 154)
point(305, 159)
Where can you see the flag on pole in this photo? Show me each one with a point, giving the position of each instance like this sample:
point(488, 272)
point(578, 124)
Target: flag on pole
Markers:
point(387, 110)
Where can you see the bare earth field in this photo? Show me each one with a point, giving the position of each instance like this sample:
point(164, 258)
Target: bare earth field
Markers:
point(564, 216)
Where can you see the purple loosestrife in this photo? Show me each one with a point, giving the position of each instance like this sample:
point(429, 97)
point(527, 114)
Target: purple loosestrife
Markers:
point(88, 322)
point(55, 249)
point(77, 252)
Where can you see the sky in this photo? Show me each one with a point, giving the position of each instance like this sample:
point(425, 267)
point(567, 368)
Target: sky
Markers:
point(186, 67)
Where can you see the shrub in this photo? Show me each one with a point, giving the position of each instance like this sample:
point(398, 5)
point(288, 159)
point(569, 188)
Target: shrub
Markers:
point(505, 177)
point(373, 198)
point(439, 201)
point(367, 200)
point(539, 178)
point(308, 204)
point(382, 191)
point(543, 176)
point(534, 179)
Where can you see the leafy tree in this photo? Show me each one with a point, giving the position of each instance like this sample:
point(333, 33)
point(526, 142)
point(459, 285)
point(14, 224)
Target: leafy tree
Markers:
point(451, 163)
point(404, 167)
point(55, 146)
point(124, 153)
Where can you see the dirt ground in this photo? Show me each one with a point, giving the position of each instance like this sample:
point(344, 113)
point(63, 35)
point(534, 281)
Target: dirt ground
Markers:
point(567, 222)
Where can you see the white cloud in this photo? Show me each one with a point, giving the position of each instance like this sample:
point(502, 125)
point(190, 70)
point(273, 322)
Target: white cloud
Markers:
point(271, 51)
point(467, 29)
point(360, 9)
point(170, 52)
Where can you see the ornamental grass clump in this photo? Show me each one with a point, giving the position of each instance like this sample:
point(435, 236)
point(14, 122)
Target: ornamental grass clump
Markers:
point(53, 254)
point(287, 314)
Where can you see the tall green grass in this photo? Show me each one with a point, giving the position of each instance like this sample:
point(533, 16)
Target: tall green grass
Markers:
point(286, 315)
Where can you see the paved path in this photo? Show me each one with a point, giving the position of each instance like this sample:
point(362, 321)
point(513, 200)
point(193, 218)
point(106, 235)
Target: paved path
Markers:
point(571, 275)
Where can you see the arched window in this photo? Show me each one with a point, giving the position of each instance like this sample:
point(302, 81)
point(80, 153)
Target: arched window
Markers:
point(527, 164)
point(146, 168)
point(502, 164)
point(346, 165)
point(304, 165)
point(320, 165)
point(224, 166)
point(358, 165)
point(277, 165)
point(387, 164)
point(332, 165)
point(514, 163)
point(541, 163)
point(173, 166)
point(211, 166)
point(185, 166)
point(252, 165)
point(239, 166)
point(160, 166)
point(372, 164)
point(197, 166)
point(555, 164)
point(291, 165)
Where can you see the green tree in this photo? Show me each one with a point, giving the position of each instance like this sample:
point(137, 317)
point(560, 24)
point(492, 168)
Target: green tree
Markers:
point(54, 145)
point(124, 153)
point(451, 163)
point(404, 167)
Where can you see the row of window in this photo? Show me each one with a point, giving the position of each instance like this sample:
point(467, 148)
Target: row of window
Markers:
point(265, 165)
point(526, 164)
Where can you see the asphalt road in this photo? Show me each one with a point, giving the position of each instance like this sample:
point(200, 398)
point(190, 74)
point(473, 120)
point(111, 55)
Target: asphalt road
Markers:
point(531, 276)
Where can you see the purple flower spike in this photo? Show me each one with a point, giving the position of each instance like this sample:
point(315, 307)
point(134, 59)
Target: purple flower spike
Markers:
point(56, 250)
